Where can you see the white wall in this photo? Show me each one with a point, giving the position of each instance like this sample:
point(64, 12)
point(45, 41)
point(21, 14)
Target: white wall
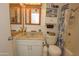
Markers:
point(4, 28)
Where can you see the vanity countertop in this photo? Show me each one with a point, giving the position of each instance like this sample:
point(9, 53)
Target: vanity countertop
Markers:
point(29, 36)
point(14, 33)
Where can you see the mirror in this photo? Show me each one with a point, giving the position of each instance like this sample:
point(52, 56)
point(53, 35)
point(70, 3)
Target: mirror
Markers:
point(35, 16)
point(32, 15)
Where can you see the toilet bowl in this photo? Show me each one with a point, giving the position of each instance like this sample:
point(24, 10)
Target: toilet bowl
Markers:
point(52, 50)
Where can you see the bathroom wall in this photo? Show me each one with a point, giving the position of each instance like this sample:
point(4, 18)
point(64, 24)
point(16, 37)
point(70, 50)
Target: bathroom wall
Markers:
point(72, 31)
point(5, 33)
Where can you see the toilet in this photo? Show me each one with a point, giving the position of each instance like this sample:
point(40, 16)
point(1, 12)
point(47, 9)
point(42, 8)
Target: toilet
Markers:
point(53, 50)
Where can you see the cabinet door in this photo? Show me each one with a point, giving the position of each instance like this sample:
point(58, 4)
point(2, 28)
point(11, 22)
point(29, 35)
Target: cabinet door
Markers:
point(22, 50)
point(36, 50)
point(15, 14)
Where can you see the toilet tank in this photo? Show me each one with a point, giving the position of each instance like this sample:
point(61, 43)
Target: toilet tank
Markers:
point(51, 39)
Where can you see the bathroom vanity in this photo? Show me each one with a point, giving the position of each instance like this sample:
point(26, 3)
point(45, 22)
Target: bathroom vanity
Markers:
point(29, 44)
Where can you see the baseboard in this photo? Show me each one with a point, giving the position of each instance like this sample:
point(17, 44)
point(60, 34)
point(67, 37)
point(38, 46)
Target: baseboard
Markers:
point(67, 52)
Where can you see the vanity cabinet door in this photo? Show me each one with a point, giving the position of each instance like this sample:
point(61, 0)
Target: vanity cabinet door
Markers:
point(36, 50)
point(21, 49)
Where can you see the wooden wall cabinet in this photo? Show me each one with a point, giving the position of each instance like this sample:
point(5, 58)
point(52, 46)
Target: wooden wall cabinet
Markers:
point(15, 14)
